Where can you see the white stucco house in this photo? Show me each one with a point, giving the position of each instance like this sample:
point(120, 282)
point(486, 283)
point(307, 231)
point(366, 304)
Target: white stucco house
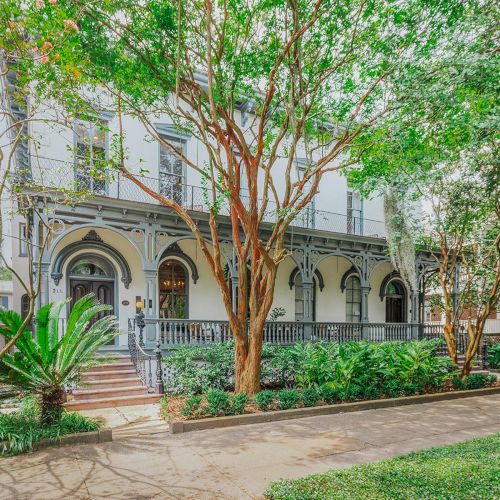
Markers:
point(136, 254)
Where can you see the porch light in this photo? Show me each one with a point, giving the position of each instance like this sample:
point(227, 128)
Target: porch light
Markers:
point(139, 304)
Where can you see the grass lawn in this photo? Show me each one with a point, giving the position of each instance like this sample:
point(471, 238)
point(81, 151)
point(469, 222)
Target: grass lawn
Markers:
point(470, 469)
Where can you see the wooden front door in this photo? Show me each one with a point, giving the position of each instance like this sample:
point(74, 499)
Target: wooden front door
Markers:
point(394, 309)
point(104, 292)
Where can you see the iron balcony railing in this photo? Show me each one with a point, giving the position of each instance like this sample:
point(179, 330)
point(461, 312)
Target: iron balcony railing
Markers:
point(63, 176)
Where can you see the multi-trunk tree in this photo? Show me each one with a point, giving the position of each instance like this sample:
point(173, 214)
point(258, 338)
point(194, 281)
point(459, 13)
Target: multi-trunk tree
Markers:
point(261, 85)
point(440, 147)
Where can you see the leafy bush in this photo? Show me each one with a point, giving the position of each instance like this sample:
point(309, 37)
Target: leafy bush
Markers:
point(473, 381)
point(329, 394)
point(494, 356)
point(279, 366)
point(264, 399)
point(310, 396)
point(222, 403)
point(191, 406)
point(196, 369)
point(218, 402)
point(372, 392)
point(364, 364)
point(288, 398)
point(392, 388)
point(20, 431)
point(238, 403)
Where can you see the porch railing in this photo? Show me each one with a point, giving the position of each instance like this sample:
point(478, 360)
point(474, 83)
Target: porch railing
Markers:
point(52, 174)
point(175, 332)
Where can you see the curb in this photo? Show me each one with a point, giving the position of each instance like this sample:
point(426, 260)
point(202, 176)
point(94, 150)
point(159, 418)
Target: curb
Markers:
point(103, 435)
point(180, 426)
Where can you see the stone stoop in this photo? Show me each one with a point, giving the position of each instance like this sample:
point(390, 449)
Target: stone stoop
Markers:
point(109, 385)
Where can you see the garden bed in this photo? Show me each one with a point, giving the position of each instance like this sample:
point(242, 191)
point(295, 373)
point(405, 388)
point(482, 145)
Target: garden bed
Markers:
point(179, 423)
point(21, 431)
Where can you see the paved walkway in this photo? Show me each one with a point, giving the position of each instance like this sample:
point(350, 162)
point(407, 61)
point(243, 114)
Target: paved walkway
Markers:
point(240, 462)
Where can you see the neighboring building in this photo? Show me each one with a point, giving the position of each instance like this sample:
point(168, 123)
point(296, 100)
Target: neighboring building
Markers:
point(130, 251)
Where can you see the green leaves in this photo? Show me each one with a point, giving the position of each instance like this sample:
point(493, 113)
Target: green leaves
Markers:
point(50, 359)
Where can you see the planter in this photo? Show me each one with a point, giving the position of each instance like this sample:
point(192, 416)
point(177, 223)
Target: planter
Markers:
point(180, 426)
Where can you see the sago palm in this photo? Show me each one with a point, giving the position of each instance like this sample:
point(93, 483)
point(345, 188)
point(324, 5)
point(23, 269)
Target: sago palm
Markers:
point(43, 362)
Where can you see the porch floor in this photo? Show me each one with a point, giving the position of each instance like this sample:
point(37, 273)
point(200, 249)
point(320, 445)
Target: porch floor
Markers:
point(240, 462)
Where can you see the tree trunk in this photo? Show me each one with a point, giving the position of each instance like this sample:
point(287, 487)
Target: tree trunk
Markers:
point(52, 405)
point(475, 334)
point(247, 366)
point(451, 343)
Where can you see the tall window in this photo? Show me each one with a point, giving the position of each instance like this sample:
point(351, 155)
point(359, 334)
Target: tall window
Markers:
point(4, 301)
point(91, 148)
point(299, 299)
point(353, 300)
point(173, 290)
point(171, 171)
point(23, 240)
point(354, 212)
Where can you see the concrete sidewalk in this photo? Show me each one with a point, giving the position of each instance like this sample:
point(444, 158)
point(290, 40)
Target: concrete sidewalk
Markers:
point(240, 462)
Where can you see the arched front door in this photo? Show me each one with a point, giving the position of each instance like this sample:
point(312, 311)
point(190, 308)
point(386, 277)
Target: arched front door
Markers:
point(93, 274)
point(395, 303)
point(173, 286)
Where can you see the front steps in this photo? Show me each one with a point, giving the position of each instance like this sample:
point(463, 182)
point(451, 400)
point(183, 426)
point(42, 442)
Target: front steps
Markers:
point(474, 369)
point(111, 384)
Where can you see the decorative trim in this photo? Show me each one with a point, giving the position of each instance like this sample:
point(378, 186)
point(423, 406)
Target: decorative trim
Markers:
point(91, 241)
point(392, 275)
point(172, 131)
point(351, 271)
point(317, 274)
point(174, 250)
point(92, 236)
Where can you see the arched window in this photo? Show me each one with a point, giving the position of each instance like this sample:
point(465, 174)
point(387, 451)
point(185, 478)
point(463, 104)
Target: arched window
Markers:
point(92, 267)
point(353, 299)
point(395, 302)
point(173, 286)
point(299, 299)
point(25, 305)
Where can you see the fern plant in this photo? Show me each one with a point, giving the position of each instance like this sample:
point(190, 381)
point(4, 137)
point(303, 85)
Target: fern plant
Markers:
point(43, 362)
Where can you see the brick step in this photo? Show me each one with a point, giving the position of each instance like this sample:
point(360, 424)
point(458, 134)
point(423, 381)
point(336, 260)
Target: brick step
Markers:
point(114, 357)
point(112, 402)
point(106, 367)
point(93, 375)
point(109, 383)
point(130, 390)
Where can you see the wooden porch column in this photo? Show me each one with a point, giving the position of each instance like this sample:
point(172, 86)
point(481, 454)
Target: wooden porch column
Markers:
point(308, 299)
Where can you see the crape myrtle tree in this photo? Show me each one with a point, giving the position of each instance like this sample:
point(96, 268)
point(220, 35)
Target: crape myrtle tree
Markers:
point(310, 76)
point(440, 146)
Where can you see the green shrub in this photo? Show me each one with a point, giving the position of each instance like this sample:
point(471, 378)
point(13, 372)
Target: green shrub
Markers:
point(288, 398)
point(329, 394)
point(264, 399)
point(191, 406)
point(218, 402)
point(21, 430)
point(196, 369)
point(392, 388)
point(372, 392)
point(310, 396)
point(457, 383)
point(279, 366)
point(238, 403)
point(411, 389)
point(494, 356)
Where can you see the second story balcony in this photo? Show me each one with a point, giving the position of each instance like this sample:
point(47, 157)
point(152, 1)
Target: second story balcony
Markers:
point(63, 176)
